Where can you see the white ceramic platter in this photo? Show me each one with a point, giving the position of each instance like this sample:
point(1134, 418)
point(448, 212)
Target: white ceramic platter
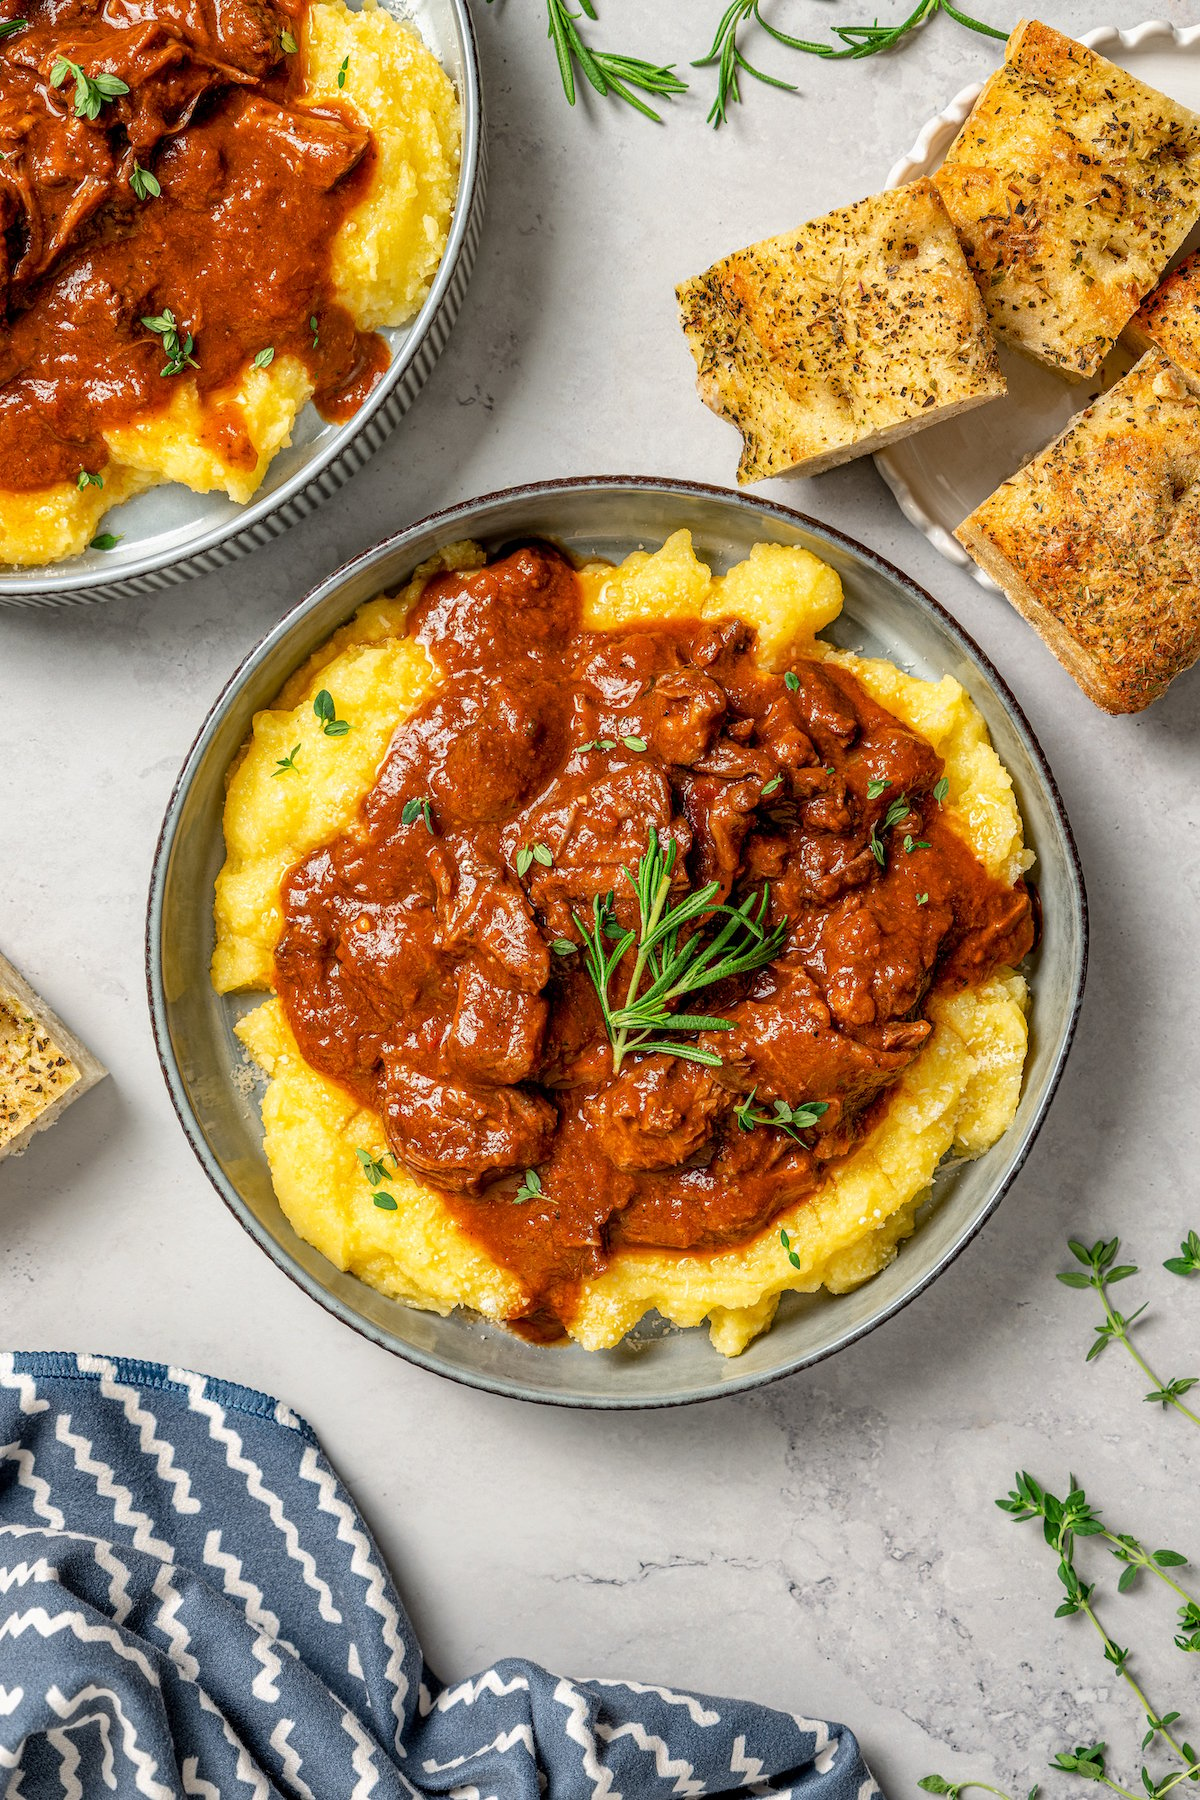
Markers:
point(940, 475)
point(169, 532)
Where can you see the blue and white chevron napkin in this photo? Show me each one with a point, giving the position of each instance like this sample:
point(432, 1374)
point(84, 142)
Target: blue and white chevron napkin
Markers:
point(190, 1604)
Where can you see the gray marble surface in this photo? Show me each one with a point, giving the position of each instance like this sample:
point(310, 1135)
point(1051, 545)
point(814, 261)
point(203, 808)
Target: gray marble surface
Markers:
point(829, 1544)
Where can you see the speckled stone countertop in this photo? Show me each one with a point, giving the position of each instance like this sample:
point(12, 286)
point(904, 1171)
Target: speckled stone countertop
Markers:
point(829, 1544)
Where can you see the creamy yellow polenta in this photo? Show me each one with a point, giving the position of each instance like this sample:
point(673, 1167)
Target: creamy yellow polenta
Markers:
point(383, 261)
point(957, 1097)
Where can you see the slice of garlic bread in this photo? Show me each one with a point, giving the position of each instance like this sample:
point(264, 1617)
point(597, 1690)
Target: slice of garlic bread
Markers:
point(1072, 185)
point(1097, 539)
point(830, 341)
point(1170, 319)
point(43, 1066)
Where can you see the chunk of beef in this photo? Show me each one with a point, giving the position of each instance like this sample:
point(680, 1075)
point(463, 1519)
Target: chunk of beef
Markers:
point(462, 1135)
point(657, 1114)
point(497, 1031)
point(787, 1044)
point(317, 148)
point(480, 907)
point(594, 833)
point(687, 708)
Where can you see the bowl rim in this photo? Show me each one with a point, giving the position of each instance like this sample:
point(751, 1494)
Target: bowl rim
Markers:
point(453, 519)
point(61, 581)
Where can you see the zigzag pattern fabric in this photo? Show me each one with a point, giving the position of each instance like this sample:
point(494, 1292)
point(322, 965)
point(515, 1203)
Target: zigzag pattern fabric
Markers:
point(190, 1604)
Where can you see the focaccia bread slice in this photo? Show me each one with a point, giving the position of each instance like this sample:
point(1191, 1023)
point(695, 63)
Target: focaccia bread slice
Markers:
point(1072, 185)
point(1097, 539)
point(830, 341)
point(43, 1066)
point(1170, 319)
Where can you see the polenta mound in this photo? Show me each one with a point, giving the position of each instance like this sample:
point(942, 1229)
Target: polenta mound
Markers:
point(193, 308)
point(954, 1087)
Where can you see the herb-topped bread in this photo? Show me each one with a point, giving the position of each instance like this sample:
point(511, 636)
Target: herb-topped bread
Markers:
point(833, 340)
point(1097, 540)
point(43, 1066)
point(1170, 318)
point(1072, 184)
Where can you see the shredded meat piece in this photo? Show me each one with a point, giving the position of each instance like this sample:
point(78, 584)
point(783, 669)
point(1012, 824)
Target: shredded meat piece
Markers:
point(462, 1134)
point(656, 1114)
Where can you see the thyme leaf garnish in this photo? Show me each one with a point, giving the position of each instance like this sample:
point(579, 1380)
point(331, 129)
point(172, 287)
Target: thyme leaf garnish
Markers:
point(285, 763)
point(789, 1119)
point(418, 809)
point(85, 479)
point(326, 711)
point(177, 345)
point(265, 358)
point(668, 967)
point(91, 91)
point(530, 1188)
point(144, 184)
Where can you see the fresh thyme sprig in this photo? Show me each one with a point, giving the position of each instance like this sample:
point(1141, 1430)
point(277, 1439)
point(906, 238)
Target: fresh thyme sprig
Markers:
point(607, 72)
point(789, 1119)
point(899, 808)
point(177, 345)
point(1065, 1520)
point(1062, 1523)
point(671, 968)
point(91, 91)
point(1103, 1271)
point(285, 765)
point(854, 42)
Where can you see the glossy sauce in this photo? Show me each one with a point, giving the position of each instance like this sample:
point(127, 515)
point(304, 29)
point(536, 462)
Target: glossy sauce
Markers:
point(416, 966)
point(237, 245)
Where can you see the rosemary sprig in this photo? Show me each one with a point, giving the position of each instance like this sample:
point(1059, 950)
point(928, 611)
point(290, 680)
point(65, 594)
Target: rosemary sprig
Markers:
point(1103, 1271)
point(607, 72)
point(11, 25)
point(669, 968)
point(854, 42)
point(177, 345)
point(91, 91)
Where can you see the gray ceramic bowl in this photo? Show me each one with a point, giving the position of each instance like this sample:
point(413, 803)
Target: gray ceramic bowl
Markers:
point(169, 533)
point(885, 614)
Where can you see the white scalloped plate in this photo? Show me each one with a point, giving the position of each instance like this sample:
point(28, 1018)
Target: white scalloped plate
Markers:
point(940, 475)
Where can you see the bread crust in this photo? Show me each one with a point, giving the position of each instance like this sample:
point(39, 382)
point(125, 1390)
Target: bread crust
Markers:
point(1097, 539)
point(43, 1066)
point(830, 341)
point(1170, 319)
point(1072, 184)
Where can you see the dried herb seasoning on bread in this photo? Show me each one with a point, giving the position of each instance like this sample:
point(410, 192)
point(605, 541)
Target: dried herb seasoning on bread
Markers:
point(1072, 184)
point(43, 1066)
point(833, 340)
point(1097, 539)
